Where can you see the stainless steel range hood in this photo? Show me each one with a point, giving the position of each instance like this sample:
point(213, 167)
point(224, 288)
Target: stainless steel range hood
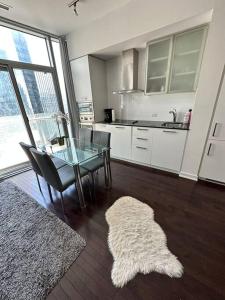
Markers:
point(129, 73)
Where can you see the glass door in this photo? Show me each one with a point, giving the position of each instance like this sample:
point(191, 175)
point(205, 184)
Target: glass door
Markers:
point(12, 127)
point(40, 100)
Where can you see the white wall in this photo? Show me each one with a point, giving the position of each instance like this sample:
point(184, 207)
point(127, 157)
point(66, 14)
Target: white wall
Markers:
point(210, 76)
point(141, 107)
point(129, 21)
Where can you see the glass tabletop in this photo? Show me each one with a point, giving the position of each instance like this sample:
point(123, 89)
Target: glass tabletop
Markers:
point(74, 151)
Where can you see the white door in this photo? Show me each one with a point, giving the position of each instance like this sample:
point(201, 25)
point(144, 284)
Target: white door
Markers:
point(218, 125)
point(213, 164)
point(167, 148)
point(81, 79)
point(121, 141)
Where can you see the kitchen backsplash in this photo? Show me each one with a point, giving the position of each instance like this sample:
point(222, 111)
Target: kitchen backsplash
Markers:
point(156, 107)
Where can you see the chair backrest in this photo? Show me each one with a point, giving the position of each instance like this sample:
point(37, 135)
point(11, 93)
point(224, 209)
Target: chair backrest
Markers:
point(101, 138)
point(26, 148)
point(48, 169)
point(85, 135)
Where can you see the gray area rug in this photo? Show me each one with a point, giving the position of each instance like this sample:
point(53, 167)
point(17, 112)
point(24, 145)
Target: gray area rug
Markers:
point(36, 247)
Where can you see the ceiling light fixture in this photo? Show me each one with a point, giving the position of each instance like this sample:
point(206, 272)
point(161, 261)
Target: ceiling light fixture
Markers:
point(5, 6)
point(74, 4)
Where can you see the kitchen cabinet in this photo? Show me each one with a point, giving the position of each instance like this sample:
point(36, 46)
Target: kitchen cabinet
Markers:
point(213, 164)
point(89, 78)
point(141, 145)
point(120, 140)
point(173, 63)
point(156, 147)
point(158, 59)
point(186, 60)
point(81, 79)
point(167, 148)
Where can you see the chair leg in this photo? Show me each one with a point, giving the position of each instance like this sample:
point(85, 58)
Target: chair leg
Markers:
point(62, 199)
point(50, 193)
point(92, 181)
point(38, 181)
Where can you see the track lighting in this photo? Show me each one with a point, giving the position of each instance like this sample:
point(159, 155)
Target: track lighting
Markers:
point(74, 4)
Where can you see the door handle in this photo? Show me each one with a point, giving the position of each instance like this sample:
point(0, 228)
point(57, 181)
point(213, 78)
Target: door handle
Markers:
point(142, 139)
point(210, 146)
point(169, 131)
point(120, 127)
point(143, 148)
point(214, 131)
point(142, 129)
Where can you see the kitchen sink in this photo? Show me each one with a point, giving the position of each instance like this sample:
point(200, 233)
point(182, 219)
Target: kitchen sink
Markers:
point(172, 125)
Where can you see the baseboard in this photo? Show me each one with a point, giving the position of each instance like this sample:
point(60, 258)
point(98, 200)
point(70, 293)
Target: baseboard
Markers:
point(188, 176)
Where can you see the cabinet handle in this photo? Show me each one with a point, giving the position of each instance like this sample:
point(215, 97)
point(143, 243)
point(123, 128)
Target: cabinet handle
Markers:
point(170, 131)
point(214, 131)
point(120, 127)
point(142, 129)
point(210, 146)
point(142, 139)
point(143, 148)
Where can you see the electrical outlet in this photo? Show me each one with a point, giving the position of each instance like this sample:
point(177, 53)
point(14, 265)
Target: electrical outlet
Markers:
point(154, 115)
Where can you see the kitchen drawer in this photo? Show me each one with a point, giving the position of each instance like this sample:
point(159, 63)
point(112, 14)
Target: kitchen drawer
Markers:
point(142, 132)
point(141, 154)
point(142, 141)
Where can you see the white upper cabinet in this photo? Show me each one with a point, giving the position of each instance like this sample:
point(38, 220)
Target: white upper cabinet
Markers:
point(186, 60)
point(173, 63)
point(81, 79)
point(158, 66)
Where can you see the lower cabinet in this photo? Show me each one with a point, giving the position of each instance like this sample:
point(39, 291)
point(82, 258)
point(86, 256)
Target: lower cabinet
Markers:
point(120, 139)
point(141, 145)
point(168, 148)
point(156, 147)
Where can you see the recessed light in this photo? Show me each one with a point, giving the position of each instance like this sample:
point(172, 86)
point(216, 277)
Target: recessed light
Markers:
point(5, 6)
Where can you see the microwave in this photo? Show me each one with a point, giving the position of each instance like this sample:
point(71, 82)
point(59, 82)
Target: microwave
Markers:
point(85, 108)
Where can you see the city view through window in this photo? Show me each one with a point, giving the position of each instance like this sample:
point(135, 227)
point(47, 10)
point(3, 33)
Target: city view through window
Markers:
point(37, 91)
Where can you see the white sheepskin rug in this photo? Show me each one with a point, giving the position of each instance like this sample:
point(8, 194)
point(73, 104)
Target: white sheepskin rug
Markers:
point(137, 242)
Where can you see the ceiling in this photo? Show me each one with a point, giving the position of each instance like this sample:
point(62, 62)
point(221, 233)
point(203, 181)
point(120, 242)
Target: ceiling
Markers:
point(55, 16)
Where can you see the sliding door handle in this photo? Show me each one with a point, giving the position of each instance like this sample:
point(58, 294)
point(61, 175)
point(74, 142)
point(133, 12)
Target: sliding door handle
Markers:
point(214, 131)
point(210, 146)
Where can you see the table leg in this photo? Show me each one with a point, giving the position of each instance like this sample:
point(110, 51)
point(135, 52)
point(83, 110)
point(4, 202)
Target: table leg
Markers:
point(79, 186)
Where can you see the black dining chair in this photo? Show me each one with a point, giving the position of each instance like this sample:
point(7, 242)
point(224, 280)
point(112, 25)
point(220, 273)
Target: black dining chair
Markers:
point(94, 164)
point(57, 162)
point(85, 135)
point(60, 179)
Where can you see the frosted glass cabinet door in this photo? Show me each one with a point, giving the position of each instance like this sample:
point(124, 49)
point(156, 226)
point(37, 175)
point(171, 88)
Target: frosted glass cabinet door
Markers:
point(187, 55)
point(158, 58)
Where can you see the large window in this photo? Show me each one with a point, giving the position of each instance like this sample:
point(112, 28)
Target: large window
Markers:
point(23, 47)
point(31, 95)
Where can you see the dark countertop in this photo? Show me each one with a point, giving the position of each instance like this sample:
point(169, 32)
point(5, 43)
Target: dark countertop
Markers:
point(152, 124)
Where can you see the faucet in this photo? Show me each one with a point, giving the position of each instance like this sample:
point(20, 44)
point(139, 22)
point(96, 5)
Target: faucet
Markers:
point(174, 112)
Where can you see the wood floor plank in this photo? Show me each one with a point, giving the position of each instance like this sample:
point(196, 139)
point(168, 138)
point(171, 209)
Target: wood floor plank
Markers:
point(192, 214)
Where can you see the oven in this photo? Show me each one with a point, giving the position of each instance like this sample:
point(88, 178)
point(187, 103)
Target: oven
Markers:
point(86, 112)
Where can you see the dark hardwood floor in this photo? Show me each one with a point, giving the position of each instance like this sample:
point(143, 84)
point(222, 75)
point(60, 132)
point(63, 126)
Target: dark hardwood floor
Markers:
point(191, 214)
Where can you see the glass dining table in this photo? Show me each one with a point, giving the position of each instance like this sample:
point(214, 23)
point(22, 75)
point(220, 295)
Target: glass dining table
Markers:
point(75, 152)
